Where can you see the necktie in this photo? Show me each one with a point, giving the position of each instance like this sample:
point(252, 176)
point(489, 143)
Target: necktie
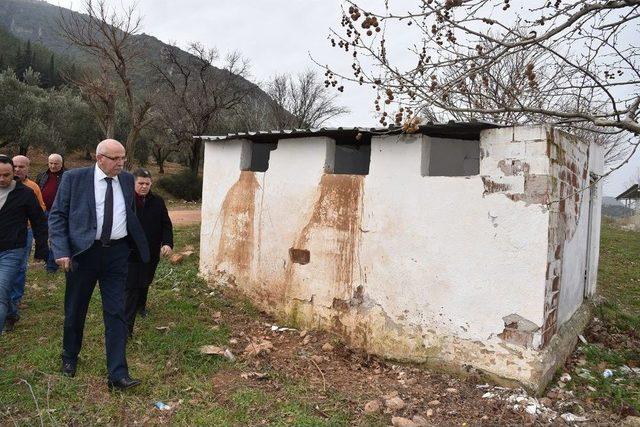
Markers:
point(107, 224)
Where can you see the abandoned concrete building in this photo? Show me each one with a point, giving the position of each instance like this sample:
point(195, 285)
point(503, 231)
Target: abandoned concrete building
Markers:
point(463, 245)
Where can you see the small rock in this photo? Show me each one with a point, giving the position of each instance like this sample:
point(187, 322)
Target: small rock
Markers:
point(391, 394)
point(402, 422)
point(303, 333)
point(545, 401)
point(572, 418)
point(306, 340)
point(631, 421)
point(317, 358)
point(488, 395)
point(552, 394)
point(229, 355)
point(372, 407)
point(434, 403)
point(394, 403)
point(452, 390)
point(420, 421)
point(327, 347)
point(176, 259)
point(565, 378)
point(233, 341)
point(429, 412)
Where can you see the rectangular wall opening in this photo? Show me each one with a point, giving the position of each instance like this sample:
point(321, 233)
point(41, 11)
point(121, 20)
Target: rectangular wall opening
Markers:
point(450, 157)
point(255, 156)
point(352, 159)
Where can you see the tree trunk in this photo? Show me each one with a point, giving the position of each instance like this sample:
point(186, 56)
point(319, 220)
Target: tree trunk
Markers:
point(196, 149)
point(130, 146)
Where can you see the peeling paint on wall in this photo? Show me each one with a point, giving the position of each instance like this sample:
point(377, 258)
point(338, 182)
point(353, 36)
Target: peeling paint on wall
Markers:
point(394, 269)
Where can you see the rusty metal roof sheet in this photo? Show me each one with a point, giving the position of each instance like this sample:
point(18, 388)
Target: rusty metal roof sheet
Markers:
point(452, 129)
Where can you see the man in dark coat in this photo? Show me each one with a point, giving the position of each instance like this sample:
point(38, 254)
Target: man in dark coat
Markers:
point(49, 181)
point(152, 213)
point(18, 204)
point(92, 229)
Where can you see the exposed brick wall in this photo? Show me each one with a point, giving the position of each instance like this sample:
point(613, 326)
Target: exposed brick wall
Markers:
point(569, 178)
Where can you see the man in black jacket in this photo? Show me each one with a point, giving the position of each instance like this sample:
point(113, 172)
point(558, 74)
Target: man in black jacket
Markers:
point(152, 213)
point(18, 205)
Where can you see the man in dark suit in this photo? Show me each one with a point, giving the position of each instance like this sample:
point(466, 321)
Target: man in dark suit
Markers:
point(91, 226)
point(153, 215)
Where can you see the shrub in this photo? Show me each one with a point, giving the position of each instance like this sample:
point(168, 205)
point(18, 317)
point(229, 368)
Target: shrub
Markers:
point(184, 185)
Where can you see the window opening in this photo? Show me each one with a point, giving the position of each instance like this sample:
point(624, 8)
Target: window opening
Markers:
point(257, 159)
point(352, 159)
point(447, 157)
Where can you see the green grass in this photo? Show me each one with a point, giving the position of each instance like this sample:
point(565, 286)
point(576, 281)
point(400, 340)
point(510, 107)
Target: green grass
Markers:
point(206, 390)
point(614, 338)
point(168, 361)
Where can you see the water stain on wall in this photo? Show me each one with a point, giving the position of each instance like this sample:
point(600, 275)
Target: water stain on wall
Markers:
point(336, 210)
point(238, 212)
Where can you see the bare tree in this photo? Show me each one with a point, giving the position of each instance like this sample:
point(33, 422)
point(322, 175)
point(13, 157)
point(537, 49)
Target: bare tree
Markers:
point(578, 61)
point(108, 36)
point(193, 93)
point(302, 101)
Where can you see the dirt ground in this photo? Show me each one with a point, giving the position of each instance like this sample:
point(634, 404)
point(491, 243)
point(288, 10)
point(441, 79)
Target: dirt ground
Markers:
point(378, 391)
point(184, 216)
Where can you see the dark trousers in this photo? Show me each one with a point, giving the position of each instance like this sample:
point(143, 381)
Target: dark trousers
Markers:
point(142, 299)
point(139, 278)
point(108, 266)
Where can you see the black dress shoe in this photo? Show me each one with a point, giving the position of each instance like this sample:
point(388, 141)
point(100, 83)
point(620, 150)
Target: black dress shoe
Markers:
point(123, 383)
point(68, 369)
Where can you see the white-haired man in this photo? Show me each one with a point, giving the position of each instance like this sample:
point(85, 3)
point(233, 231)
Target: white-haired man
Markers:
point(92, 228)
point(49, 181)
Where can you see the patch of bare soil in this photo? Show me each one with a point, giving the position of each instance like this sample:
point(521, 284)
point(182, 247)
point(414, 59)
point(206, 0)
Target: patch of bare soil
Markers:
point(184, 216)
point(270, 355)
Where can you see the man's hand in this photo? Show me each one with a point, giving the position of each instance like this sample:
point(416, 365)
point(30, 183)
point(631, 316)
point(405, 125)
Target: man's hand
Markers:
point(165, 250)
point(64, 263)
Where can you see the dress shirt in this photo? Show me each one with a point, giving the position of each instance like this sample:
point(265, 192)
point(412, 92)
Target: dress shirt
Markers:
point(119, 229)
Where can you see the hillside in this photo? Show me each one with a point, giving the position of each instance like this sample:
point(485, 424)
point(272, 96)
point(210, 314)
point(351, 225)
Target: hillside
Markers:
point(37, 21)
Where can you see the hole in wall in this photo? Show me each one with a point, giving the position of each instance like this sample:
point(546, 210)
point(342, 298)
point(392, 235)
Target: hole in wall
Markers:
point(299, 256)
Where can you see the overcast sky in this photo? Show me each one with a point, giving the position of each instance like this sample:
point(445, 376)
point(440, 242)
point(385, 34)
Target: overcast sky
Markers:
point(277, 36)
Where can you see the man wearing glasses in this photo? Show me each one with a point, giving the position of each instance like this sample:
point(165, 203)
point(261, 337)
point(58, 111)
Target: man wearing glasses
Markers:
point(91, 226)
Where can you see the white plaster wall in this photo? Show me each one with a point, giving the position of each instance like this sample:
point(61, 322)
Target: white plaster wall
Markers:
point(439, 254)
point(439, 259)
point(221, 170)
point(596, 167)
point(581, 252)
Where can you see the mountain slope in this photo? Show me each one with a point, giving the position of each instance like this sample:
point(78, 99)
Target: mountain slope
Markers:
point(37, 20)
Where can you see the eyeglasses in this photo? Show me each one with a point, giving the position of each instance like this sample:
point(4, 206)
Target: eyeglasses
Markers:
point(115, 159)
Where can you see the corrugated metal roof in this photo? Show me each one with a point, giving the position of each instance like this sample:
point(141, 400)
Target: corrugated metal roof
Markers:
point(452, 129)
point(632, 192)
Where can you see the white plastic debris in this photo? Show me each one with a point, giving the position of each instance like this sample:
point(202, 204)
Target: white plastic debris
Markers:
point(573, 418)
point(583, 339)
point(607, 373)
point(162, 406)
point(488, 395)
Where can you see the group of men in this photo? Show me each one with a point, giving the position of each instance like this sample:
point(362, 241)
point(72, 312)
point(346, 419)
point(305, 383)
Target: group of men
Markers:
point(99, 224)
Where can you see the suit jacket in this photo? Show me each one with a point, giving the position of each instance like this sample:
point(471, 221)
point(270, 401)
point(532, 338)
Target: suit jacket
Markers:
point(72, 220)
point(157, 226)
